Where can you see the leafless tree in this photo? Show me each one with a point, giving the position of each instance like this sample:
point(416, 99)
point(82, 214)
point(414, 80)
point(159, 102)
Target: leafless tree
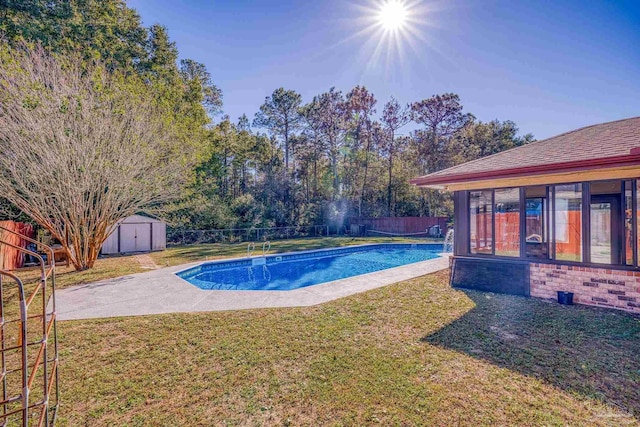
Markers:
point(82, 148)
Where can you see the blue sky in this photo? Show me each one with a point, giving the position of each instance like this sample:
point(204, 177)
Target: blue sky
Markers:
point(550, 66)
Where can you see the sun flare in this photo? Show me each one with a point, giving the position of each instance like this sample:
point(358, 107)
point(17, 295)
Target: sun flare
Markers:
point(391, 32)
point(393, 15)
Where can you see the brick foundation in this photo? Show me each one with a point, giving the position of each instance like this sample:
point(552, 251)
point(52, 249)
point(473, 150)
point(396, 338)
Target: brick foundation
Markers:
point(591, 286)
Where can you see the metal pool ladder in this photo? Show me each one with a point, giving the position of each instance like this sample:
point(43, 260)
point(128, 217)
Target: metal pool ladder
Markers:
point(251, 247)
point(29, 389)
point(266, 247)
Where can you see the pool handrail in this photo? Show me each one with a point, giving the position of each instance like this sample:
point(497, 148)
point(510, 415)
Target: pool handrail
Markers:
point(251, 247)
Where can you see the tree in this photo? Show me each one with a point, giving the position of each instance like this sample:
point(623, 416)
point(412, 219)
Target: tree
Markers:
point(245, 144)
point(313, 144)
point(394, 117)
point(480, 139)
point(107, 30)
point(329, 112)
point(280, 115)
point(201, 86)
point(83, 148)
point(442, 116)
point(360, 106)
point(163, 54)
point(224, 143)
point(30, 19)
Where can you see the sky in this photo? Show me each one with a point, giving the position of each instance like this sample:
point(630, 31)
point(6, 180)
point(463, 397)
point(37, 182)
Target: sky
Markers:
point(549, 66)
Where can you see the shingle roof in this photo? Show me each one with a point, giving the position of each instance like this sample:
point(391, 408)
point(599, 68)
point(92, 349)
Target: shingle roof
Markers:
point(613, 139)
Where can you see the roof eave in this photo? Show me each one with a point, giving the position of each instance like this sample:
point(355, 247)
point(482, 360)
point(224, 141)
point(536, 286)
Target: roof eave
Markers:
point(441, 181)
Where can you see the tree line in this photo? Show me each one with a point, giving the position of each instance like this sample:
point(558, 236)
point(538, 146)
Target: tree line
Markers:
point(99, 120)
point(338, 155)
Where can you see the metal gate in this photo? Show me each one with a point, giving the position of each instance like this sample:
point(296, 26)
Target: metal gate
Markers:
point(28, 342)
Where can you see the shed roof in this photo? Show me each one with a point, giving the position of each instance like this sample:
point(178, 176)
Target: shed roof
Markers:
point(139, 219)
point(593, 146)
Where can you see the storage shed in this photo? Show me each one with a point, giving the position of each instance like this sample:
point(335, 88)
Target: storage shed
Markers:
point(136, 233)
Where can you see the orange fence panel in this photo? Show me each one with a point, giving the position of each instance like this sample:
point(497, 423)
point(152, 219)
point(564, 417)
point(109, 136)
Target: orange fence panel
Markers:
point(11, 258)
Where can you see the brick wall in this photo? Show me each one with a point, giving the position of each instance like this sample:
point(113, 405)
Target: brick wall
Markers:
point(592, 286)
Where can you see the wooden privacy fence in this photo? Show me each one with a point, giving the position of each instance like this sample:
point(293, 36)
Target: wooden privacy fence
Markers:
point(11, 258)
point(400, 225)
point(568, 235)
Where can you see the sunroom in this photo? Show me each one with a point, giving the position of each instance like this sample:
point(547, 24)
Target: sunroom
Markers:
point(558, 215)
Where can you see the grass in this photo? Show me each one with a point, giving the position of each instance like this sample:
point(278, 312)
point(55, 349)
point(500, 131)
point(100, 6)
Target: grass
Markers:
point(413, 353)
point(105, 268)
point(184, 254)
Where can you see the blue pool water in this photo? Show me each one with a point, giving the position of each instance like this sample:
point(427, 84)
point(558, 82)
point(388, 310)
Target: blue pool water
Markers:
point(300, 269)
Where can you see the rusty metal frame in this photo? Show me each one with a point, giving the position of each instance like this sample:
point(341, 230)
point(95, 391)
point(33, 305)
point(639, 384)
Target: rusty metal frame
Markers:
point(45, 348)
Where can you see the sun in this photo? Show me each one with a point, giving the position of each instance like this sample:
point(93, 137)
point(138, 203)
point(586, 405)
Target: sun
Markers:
point(393, 15)
point(390, 32)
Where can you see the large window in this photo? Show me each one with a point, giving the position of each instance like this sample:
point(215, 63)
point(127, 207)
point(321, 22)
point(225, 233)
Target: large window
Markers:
point(592, 222)
point(638, 219)
point(481, 222)
point(607, 232)
point(568, 222)
point(536, 226)
point(601, 232)
point(507, 222)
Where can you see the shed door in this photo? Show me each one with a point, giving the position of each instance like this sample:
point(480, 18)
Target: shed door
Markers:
point(135, 237)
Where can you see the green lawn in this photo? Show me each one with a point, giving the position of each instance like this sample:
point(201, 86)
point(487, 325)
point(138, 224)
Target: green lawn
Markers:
point(413, 353)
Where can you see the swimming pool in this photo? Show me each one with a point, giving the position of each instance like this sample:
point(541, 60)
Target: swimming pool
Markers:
point(296, 270)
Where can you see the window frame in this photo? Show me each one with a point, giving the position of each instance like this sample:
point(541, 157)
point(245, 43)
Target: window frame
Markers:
point(493, 219)
point(495, 243)
point(634, 216)
point(549, 225)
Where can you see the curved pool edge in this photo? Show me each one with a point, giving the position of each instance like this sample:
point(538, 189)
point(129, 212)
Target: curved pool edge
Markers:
point(162, 292)
point(189, 273)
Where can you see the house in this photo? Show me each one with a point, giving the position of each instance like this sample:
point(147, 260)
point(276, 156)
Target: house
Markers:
point(136, 233)
point(559, 214)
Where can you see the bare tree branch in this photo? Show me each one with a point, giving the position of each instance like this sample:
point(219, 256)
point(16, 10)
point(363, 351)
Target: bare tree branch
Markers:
point(81, 148)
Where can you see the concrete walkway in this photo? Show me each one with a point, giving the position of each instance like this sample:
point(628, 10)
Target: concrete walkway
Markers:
point(146, 262)
point(161, 291)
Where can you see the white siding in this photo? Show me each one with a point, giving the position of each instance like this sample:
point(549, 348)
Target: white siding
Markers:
point(159, 241)
point(110, 246)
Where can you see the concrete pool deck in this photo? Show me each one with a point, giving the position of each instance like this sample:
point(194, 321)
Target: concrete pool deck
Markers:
point(161, 291)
